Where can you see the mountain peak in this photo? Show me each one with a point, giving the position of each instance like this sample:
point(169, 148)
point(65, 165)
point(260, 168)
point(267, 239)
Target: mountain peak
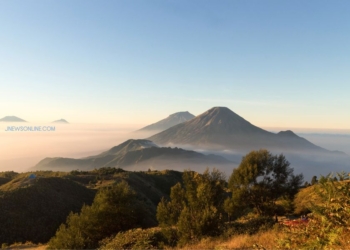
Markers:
point(170, 121)
point(214, 126)
point(222, 117)
point(184, 114)
point(11, 119)
point(220, 109)
point(60, 121)
point(288, 133)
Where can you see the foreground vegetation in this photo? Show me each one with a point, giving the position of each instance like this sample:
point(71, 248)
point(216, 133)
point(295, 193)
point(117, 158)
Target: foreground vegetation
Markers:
point(32, 209)
point(172, 210)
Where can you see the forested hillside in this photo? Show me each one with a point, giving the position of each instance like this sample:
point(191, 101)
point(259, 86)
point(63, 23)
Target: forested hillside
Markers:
point(34, 205)
point(257, 206)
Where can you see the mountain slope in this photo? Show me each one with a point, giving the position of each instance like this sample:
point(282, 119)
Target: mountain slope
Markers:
point(220, 127)
point(168, 122)
point(140, 154)
point(11, 119)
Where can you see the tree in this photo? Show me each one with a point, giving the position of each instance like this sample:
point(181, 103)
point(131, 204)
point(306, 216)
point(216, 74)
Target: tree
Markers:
point(259, 181)
point(196, 207)
point(314, 180)
point(168, 212)
point(114, 209)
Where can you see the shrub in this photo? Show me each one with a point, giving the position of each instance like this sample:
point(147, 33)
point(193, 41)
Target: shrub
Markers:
point(330, 218)
point(152, 238)
point(250, 227)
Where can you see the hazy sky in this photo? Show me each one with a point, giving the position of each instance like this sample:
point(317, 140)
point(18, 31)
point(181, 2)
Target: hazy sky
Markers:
point(276, 63)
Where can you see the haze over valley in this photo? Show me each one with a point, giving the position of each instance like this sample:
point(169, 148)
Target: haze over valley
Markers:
point(174, 124)
point(216, 138)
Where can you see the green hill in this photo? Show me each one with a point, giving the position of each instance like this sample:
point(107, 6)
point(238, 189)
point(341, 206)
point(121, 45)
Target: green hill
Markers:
point(32, 209)
point(33, 212)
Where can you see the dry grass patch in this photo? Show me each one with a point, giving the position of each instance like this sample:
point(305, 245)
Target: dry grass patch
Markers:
point(261, 240)
point(28, 246)
point(207, 243)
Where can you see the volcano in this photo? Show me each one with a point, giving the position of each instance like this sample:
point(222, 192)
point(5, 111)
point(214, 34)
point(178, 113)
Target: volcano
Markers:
point(221, 127)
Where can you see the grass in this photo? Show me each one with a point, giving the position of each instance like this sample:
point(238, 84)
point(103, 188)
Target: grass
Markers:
point(261, 240)
point(266, 240)
point(27, 245)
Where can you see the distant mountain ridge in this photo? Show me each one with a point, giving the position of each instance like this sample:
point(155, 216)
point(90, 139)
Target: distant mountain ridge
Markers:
point(168, 122)
point(61, 121)
point(221, 127)
point(11, 119)
point(133, 153)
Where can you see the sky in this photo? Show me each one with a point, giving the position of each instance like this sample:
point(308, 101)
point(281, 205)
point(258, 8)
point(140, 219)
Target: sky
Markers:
point(275, 63)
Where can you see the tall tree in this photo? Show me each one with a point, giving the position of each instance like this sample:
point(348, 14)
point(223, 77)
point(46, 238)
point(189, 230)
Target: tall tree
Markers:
point(196, 208)
point(260, 180)
point(314, 180)
point(114, 209)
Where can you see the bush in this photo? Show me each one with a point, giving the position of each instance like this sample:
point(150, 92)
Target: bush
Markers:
point(330, 218)
point(152, 238)
point(250, 227)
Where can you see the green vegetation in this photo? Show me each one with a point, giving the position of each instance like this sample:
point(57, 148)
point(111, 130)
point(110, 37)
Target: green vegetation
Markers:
point(152, 238)
point(251, 226)
point(34, 211)
point(8, 174)
point(6, 177)
point(114, 209)
point(196, 209)
point(259, 182)
point(330, 219)
point(111, 208)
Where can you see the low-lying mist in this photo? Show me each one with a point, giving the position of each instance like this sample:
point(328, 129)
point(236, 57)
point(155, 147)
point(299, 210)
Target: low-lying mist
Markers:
point(340, 142)
point(22, 150)
point(307, 163)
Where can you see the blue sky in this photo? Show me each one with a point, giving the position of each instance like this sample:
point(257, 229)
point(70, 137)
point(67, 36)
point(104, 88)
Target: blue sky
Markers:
point(275, 63)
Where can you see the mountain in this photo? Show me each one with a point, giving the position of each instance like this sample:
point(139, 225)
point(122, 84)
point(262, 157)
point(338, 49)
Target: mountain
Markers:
point(11, 119)
point(221, 127)
point(136, 155)
point(168, 122)
point(61, 121)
